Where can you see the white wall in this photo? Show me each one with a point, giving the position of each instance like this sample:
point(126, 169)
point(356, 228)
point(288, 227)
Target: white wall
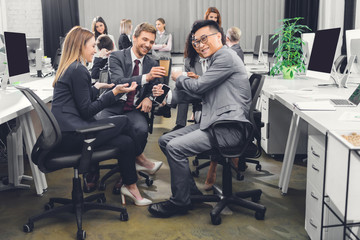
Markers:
point(22, 16)
point(253, 17)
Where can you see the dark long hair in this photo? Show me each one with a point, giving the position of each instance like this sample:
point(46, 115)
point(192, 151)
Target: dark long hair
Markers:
point(93, 26)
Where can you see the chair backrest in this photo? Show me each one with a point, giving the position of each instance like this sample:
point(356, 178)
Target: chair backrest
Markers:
point(103, 78)
point(256, 83)
point(50, 135)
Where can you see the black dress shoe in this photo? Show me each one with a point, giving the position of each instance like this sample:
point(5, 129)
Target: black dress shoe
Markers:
point(117, 187)
point(164, 111)
point(167, 209)
point(90, 182)
point(177, 126)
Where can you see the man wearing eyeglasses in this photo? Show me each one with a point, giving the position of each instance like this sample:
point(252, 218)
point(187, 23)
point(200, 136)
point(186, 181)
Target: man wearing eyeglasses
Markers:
point(225, 93)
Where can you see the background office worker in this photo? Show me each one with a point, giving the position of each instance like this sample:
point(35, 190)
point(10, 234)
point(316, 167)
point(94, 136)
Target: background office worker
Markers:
point(233, 36)
point(225, 92)
point(133, 65)
point(99, 27)
point(125, 31)
point(106, 46)
point(75, 104)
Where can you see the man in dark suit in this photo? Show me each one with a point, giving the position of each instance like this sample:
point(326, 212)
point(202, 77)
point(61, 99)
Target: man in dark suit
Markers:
point(233, 35)
point(226, 95)
point(133, 65)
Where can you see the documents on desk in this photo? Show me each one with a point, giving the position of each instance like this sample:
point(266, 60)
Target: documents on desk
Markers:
point(315, 106)
point(350, 117)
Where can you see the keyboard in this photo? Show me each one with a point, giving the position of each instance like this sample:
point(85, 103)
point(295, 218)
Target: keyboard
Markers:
point(341, 102)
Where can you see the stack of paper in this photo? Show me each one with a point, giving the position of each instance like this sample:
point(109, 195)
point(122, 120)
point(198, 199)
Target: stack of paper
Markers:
point(315, 106)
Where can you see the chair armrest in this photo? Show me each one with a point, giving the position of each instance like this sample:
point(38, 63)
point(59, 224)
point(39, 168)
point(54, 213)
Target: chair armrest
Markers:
point(94, 129)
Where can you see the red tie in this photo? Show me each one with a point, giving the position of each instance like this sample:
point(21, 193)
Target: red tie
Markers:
point(131, 95)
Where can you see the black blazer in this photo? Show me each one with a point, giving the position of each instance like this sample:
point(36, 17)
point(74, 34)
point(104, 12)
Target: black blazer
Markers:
point(120, 71)
point(98, 65)
point(238, 50)
point(74, 101)
point(124, 41)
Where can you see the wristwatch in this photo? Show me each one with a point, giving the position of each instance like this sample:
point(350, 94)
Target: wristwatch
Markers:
point(151, 98)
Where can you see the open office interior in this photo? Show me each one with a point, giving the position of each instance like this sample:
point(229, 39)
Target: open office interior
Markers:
point(305, 146)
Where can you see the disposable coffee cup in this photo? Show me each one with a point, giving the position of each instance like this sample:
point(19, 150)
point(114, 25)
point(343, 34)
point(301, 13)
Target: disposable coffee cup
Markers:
point(165, 64)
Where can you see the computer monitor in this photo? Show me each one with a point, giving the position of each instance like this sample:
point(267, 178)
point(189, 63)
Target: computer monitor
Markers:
point(271, 48)
point(350, 36)
point(308, 39)
point(32, 45)
point(17, 58)
point(323, 53)
point(258, 53)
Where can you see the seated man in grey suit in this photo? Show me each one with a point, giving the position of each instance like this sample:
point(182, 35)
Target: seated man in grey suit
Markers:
point(233, 35)
point(133, 65)
point(225, 92)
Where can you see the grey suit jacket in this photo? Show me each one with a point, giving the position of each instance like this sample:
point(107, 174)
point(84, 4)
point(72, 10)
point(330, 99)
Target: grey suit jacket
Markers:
point(224, 89)
point(120, 71)
point(238, 50)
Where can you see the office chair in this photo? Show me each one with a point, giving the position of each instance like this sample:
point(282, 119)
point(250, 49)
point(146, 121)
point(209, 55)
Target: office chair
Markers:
point(45, 156)
point(253, 150)
point(225, 196)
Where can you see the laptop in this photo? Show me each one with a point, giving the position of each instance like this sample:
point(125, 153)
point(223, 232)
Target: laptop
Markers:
point(353, 100)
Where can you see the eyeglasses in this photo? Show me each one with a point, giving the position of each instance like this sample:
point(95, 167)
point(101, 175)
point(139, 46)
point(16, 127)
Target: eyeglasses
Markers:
point(203, 40)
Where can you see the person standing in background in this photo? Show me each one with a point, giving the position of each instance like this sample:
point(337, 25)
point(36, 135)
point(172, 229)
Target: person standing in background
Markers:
point(99, 27)
point(162, 50)
point(125, 31)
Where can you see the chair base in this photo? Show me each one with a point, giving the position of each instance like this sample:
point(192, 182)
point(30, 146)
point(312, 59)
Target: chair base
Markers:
point(114, 169)
point(78, 205)
point(225, 197)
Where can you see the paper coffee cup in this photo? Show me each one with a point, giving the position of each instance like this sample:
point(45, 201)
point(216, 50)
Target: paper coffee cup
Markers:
point(165, 64)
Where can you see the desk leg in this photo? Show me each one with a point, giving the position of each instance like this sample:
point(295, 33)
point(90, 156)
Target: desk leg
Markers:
point(290, 151)
point(30, 138)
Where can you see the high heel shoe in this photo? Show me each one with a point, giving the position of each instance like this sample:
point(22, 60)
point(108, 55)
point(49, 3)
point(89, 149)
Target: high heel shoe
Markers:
point(151, 171)
point(126, 192)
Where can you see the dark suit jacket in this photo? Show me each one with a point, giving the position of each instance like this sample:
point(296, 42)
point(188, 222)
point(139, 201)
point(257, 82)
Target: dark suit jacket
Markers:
point(238, 50)
point(98, 65)
point(120, 72)
point(74, 101)
point(124, 41)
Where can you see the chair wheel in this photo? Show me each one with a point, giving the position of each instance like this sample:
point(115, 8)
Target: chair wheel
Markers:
point(81, 235)
point(124, 216)
point(239, 176)
point(29, 227)
point(242, 166)
point(195, 173)
point(260, 215)
point(149, 182)
point(215, 220)
point(48, 206)
point(258, 167)
point(101, 200)
point(195, 162)
point(102, 186)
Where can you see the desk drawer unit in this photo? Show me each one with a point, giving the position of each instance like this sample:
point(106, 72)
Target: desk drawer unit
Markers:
point(276, 118)
point(314, 185)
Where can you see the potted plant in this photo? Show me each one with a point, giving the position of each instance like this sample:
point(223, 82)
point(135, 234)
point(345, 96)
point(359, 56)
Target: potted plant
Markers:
point(288, 55)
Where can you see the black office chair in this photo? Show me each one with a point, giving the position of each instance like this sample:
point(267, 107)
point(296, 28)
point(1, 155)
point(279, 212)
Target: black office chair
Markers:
point(225, 196)
point(45, 156)
point(253, 150)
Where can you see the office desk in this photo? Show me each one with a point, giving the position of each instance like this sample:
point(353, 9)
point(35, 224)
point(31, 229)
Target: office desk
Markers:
point(13, 104)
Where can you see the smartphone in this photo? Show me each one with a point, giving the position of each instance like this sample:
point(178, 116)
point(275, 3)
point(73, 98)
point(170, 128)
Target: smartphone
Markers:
point(161, 98)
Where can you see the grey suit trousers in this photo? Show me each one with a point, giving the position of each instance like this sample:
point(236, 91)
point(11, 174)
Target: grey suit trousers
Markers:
point(181, 144)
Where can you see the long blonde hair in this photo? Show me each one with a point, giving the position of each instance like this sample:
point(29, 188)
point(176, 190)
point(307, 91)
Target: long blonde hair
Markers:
point(125, 26)
point(73, 46)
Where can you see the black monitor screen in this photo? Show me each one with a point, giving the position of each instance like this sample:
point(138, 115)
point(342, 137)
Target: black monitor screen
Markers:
point(323, 50)
point(257, 46)
point(16, 52)
point(271, 46)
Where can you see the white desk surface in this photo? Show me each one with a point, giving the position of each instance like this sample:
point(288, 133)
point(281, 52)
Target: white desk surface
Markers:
point(13, 103)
